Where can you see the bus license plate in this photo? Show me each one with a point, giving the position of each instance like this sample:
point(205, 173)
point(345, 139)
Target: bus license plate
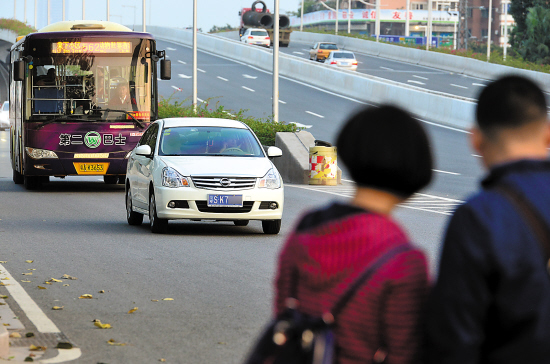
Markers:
point(225, 201)
point(91, 168)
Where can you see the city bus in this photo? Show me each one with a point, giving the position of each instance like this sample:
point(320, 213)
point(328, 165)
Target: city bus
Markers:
point(81, 94)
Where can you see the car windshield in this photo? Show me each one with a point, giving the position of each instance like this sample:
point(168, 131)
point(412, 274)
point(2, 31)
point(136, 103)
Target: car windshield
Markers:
point(209, 140)
point(6, 106)
point(343, 55)
point(258, 32)
point(328, 46)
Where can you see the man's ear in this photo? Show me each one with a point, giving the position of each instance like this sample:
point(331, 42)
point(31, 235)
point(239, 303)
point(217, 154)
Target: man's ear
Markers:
point(476, 140)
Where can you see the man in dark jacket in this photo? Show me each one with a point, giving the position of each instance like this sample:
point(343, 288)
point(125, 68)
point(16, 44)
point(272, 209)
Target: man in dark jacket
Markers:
point(491, 303)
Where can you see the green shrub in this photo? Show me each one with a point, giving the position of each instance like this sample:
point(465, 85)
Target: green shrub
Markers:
point(264, 128)
point(18, 27)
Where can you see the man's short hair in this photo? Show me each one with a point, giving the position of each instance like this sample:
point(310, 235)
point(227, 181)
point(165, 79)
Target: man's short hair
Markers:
point(509, 102)
point(386, 149)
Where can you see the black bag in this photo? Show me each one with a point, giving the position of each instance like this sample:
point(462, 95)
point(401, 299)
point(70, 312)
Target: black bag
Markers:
point(297, 338)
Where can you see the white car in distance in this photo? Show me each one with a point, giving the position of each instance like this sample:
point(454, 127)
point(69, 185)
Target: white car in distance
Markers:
point(342, 59)
point(203, 169)
point(5, 116)
point(256, 36)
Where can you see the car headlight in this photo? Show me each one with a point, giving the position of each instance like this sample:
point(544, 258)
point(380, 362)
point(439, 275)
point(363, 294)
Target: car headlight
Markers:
point(36, 153)
point(271, 180)
point(171, 178)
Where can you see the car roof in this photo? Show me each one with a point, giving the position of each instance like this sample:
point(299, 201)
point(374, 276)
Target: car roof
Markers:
point(336, 52)
point(224, 123)
point(251, 29)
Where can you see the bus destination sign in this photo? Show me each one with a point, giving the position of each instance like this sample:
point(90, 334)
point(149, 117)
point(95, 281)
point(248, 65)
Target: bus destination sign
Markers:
point(92, 47)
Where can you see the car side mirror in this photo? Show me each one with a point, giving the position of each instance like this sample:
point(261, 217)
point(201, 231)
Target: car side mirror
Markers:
point(274, 152)
point(144, 150)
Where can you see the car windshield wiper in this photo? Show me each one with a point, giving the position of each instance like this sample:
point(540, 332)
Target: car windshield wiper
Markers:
point(125, 112)
point(64, 118)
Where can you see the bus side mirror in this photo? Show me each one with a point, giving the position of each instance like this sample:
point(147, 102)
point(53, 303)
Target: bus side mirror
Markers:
point(18, 70)
point(165, 69)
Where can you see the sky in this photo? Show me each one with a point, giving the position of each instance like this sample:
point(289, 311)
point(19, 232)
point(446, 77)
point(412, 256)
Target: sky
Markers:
point(170, 13)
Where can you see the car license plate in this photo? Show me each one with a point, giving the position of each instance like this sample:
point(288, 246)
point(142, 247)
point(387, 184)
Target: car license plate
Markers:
point(345, 63)
point(91, 168)
point(225, 201)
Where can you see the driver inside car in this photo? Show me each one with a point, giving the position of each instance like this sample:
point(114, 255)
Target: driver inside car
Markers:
point(232, 143)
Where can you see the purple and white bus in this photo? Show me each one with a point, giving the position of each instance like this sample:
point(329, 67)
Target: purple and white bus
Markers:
point(81, 95)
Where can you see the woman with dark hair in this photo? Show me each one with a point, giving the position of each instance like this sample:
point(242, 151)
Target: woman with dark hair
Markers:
point(388, 155)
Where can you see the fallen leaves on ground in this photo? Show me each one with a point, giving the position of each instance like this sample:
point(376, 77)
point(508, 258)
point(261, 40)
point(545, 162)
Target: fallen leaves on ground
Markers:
point(57, 307)
point(29, 261)
point(115, 343)
point(65, 285)
point(3, 261)
point(133, 310)
point(102, 291)
point(28, 359)
point(162, 360)
point(88, 296)
point(27, 274)
point(54, 280)
point(42, 287)
point(6, 324)
point(100, 325)
point(25, 281)
point(6, 278)
point(3, 296)
point(154, 300)
point(29, 334)
point(66, 276)
point(167, 299)
point(15, 335)
point(37, 348)
point(64, 345)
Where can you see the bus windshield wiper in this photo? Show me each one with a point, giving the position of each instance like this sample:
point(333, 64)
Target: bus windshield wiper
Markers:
point(127, 113)
point(64, 118)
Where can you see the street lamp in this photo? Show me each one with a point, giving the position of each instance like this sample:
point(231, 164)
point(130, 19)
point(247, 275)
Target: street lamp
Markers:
point(455, 14)
point(505, 30)
point(425, 27)
point(131, 6)
point(489, 31)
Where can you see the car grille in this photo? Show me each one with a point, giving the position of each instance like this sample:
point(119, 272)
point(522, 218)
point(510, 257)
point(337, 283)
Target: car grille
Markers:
point(203, 207)
point(231, 183)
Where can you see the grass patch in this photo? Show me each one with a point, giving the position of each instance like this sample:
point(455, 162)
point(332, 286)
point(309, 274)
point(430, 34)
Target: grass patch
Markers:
point(17, 26)
point(264, 128)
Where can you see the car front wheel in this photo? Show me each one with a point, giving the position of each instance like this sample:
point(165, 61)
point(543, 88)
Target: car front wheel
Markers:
point(158, 226)
point(271, 226)
point(134, 218)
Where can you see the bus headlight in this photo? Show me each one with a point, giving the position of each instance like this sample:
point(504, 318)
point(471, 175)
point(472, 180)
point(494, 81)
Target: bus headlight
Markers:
point(271, 180)
point(36, 153)
point(171, 178)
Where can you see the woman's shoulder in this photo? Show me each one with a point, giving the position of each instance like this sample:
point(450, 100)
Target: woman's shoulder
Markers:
point(331, 212)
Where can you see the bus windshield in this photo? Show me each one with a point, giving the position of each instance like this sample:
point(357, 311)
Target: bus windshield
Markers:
point(83, 79)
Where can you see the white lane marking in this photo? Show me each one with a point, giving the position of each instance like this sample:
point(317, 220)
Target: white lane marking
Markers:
point(181, 75)
point(417, 82)
point(478, 84)
point(386, 68)
point(176, 88)
point(223, 79)
point(314, 114)
point(228, 113)
point(477, 156)
point(301, 125)
point(200, 100)
point(203, 71)
point(282, 102)
point(452, 84)
point(182, 62)
point(34, 313)
point(64, 355)
point(422, 78)
point(445, 127)
point(300, 53)
point(249, 89)
point(158, 79)
point(248, 76)
point(453, 173)
point(171, 49)
point(305, 50)
point(313, 87)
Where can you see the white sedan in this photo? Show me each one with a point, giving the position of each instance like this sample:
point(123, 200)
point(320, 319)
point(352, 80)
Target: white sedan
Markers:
point(256, 36)
point(342, 59)
point(203, 169)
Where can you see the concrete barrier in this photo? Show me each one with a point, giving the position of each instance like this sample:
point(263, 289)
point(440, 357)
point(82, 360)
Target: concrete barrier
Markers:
point(8, 35)
point(444, 108)
point(447, 62)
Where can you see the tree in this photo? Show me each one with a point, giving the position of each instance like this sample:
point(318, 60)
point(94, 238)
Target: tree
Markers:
point(519, 10)
point(226, 28)
point(536, 44)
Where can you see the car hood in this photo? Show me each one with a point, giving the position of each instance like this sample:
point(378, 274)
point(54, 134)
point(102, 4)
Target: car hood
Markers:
point(219, 166)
